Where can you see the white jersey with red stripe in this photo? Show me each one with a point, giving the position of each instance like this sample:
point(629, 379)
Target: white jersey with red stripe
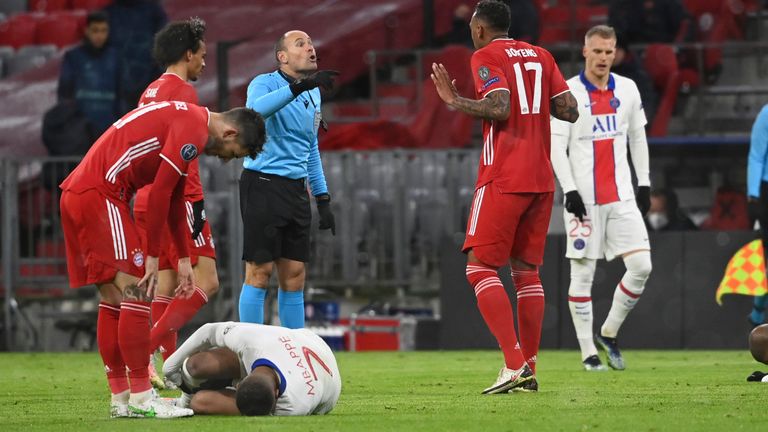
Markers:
point(596, 163)
point(310, 382)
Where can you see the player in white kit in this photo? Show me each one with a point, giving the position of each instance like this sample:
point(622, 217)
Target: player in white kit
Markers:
point(274, 371)
point(603, 217)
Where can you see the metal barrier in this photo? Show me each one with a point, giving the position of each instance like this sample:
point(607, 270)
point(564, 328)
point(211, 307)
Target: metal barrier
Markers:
point(392, 210)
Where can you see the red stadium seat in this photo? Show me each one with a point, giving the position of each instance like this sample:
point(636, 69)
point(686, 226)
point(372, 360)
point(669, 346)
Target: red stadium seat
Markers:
point(662, 67)
point(90, 4)
point(61, 29)
point(729, 211)
point(48, 5)
point(18, 31)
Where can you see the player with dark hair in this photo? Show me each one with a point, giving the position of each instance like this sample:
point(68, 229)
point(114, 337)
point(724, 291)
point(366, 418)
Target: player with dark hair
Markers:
point(91, 76)
point(274, 370)
point(602, 214)
point(180, 49)
point(151, 144)
point(518, 85)
point(277, 236)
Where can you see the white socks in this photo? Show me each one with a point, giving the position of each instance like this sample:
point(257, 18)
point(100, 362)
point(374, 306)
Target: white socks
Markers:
point(627, 292)
point(580, 303)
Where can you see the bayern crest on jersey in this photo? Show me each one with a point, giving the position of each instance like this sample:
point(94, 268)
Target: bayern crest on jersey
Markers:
point(188, 152)
point(138, 257)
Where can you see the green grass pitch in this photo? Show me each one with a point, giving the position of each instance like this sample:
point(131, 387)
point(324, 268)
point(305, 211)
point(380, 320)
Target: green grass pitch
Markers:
point(430, 391)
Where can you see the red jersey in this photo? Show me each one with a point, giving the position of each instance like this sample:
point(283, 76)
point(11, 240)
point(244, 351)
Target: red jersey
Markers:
point(171, 87)
point(155, 144)
point(515, 153)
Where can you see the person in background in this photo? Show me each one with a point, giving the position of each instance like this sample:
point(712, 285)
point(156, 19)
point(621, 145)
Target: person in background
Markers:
point(91, 75)
point(133, 25)
point(603, 213)
point(627, 64)
point(665, 213)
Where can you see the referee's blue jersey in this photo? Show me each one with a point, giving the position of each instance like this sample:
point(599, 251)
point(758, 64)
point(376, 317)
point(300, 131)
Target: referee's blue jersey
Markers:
point(291, 148)
point(757, 165)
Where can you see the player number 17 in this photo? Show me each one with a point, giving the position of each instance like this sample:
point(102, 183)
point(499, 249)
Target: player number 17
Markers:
point(522, 94)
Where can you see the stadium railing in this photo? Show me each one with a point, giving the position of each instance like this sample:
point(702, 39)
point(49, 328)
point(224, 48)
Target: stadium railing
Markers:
point(394, 210)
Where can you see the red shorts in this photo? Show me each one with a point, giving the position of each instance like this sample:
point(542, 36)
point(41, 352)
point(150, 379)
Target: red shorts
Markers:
point(100, 238)
point(169, 257)
point(508, 225)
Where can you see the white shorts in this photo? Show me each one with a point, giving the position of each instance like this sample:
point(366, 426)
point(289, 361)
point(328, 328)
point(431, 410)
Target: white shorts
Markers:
point(608, 230)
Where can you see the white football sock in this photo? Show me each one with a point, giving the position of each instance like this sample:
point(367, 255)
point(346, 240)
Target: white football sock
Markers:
point(627, 292)
point(580, 304)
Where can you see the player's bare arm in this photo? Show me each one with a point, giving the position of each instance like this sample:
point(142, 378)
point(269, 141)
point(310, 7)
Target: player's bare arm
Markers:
point(495, 106)
point(564, 107)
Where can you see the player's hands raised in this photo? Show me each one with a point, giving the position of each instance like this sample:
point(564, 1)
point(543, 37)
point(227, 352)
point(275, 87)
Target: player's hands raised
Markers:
point(575, 205)
point(643, 199)
point(149, 281)
point(186, 286)
point(321, 78)
point(445, 86)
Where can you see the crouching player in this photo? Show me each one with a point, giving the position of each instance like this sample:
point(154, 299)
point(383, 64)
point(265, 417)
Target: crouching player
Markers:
point(234, 368)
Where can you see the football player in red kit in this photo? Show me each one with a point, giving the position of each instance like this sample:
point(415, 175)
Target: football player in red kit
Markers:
point(152, 144)
point(518, 85)
point(180, 48)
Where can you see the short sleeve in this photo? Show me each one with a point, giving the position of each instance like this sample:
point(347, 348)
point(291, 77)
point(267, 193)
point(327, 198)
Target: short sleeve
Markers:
point(487, 73)
point(185, 139)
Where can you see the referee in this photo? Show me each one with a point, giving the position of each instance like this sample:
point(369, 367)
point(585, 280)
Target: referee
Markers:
point(273, 187)
point(757, 195)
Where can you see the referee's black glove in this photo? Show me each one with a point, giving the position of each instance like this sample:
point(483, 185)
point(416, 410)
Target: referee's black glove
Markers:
point(198, 218)
point(753, 210)
point(643, 199)
point(321, 78)
point(574, 205)
point(327, 221)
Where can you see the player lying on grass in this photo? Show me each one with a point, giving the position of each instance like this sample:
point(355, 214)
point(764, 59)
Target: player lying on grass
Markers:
point(233, 368)
point(758, 346)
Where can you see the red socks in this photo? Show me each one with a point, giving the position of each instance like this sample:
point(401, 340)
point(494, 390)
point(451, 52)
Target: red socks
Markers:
point(133, 336)
point(530, 312)
point(159, 305)
point(109, 349)
point(496, 309)
point(179, 312)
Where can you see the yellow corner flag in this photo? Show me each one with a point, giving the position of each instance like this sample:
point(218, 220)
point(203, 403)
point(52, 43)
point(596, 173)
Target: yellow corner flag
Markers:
point(745, 273)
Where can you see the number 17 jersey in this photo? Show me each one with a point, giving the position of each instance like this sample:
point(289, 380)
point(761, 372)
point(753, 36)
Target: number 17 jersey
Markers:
point(516, 151)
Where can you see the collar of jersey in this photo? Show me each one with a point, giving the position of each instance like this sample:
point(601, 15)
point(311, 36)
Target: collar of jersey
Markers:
point(286, 77)
point(591, 87)
point(267, 363)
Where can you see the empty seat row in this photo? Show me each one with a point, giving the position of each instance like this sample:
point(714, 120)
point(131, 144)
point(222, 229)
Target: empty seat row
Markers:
point(26, 58)
point(60, 29)
point(60, 5)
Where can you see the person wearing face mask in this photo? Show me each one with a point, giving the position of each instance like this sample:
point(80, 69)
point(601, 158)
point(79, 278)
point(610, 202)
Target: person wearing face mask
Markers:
point(665, 214)
point(277, 234)
point(603, 215)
